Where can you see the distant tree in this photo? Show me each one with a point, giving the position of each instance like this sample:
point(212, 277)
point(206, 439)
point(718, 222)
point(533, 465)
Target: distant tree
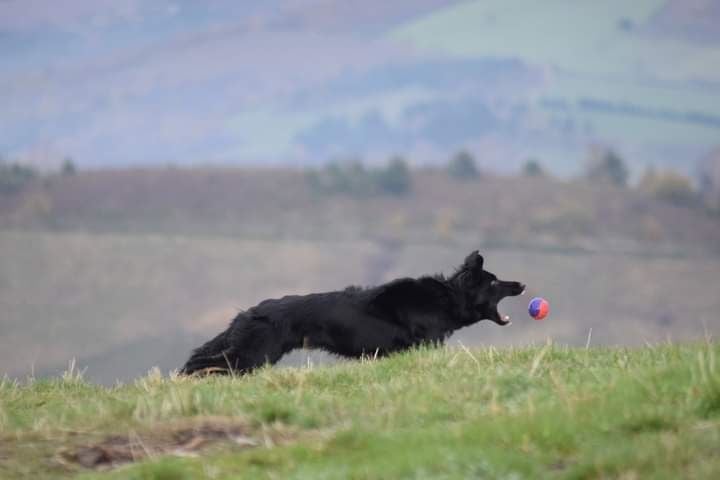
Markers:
point(14, 176)
point(351, 177)
point(68, 167)
point(605, 165)
point(669, 186)
point(341, 176)
point(462, 166)
point(532, 168)
point(358, 179)
point(344, 177)
point(395, 178)
point(625, 24)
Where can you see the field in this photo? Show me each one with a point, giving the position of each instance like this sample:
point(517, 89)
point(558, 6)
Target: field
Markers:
point(126, 270)
point(121, 304)
point(280, 204)
point(538, 412)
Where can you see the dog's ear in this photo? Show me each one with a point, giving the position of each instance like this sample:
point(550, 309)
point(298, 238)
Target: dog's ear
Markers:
point(474, 263)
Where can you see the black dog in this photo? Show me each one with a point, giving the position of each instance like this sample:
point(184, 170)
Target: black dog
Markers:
point(356, 322)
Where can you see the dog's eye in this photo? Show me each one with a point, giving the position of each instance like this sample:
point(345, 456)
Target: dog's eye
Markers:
point(493, 283)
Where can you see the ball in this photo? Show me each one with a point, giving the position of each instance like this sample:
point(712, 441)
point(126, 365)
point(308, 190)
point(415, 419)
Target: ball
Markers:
point(538, 308)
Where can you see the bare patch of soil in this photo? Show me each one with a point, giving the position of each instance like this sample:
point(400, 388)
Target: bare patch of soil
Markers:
point(184, 440)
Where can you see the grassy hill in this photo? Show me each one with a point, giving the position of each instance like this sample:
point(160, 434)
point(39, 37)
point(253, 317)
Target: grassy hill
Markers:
point(539, 412)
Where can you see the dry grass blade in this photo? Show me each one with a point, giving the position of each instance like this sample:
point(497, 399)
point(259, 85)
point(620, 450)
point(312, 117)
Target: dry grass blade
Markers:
point(470, 354)
point(538, 359)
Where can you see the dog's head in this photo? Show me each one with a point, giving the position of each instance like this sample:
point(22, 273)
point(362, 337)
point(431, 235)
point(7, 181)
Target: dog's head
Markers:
point(482, 289)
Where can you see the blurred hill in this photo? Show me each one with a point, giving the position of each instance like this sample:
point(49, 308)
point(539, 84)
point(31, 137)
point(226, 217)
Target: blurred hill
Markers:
point(695, 20)
point(281, 203)
point(297, 82)
point(128, 269)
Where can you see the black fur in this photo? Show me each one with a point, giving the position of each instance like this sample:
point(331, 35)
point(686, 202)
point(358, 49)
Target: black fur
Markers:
point(356, 321)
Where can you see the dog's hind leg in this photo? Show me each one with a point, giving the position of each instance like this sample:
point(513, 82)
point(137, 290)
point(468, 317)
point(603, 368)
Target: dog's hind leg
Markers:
point(217, 363)
point(250, 342)
point(209, 355)
point(254, 343)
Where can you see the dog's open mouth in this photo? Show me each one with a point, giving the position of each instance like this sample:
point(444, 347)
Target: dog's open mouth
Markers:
point(489, 309)
point(490, 312)
point(500, 319)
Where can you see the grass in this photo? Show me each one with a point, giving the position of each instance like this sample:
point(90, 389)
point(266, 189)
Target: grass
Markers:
point(537, 412)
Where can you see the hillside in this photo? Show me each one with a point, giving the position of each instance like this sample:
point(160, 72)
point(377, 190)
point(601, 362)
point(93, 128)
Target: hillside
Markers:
point(297, 83)
point(541, 412)
point(277, 203)
point(125, 270)
point(121, 303)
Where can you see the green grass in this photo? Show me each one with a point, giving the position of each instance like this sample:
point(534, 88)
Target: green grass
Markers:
point(539, 412)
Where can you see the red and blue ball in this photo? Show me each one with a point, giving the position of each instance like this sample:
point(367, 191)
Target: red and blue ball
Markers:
point(538, 308)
